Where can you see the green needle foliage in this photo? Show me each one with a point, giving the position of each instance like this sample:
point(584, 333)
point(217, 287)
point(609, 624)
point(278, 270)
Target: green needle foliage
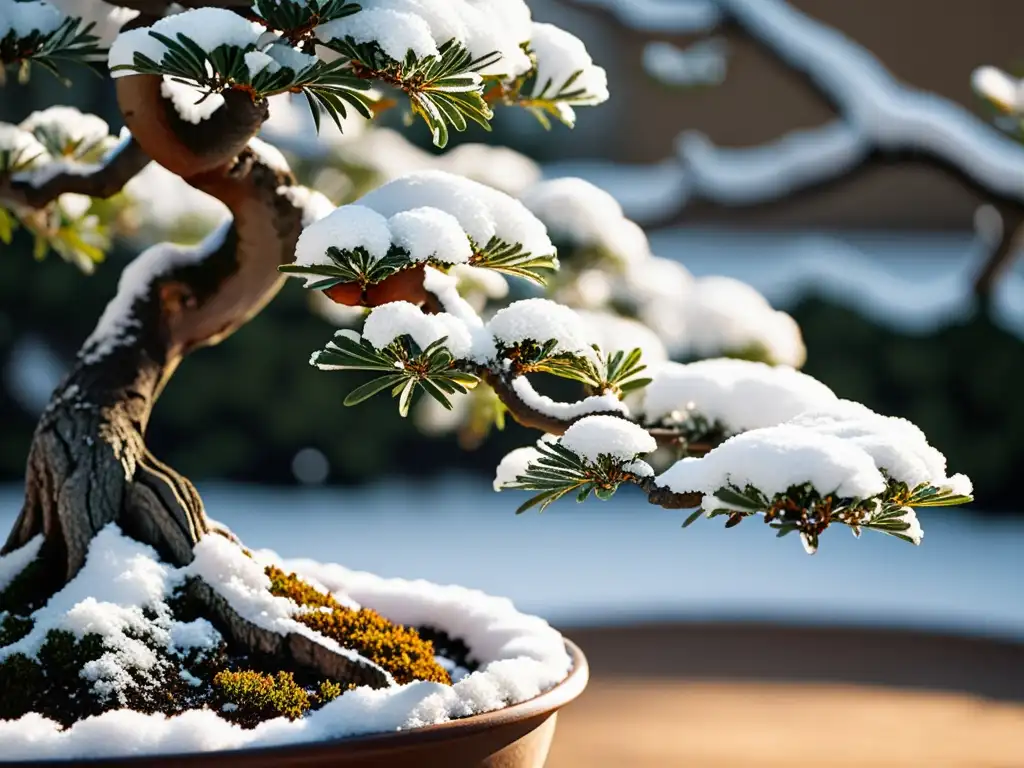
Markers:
point(402, 366)
point(71, 41)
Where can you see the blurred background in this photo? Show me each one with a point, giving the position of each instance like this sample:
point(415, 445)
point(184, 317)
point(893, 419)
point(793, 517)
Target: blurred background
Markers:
point(824, 164)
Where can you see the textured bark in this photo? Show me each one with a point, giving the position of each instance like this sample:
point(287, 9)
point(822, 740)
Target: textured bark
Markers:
point(293, 651)
point(88, 465)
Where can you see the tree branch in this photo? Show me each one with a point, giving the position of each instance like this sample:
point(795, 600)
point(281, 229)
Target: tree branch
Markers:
point(89, 465)
point(1004, 252)
point(102, 180)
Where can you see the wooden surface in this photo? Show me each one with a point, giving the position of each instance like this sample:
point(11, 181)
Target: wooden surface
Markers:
point(953, 702)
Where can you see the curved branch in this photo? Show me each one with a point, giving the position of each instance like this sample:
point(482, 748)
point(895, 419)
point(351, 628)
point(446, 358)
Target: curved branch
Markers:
point(1002, 255)
point(663, 497)
point(89, 465)
point(103, 180)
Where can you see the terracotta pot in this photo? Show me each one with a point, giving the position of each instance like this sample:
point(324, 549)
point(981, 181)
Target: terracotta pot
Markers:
point(515, 737)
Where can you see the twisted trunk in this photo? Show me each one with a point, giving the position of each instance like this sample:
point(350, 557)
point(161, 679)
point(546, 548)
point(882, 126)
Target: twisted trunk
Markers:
point(88, 465)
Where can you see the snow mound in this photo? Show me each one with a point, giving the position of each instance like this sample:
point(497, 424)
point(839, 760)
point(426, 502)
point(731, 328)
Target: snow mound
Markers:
point(585, 216)
point(774, 459)
point(519, 656)
point(594, 436)
point(22, 19)
point(423, 26)
point(561, 55)
point(400, 318)
point(738, 394)
point(541, 321)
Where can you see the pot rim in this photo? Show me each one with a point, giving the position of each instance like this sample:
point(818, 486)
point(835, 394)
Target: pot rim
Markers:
point(538, 707)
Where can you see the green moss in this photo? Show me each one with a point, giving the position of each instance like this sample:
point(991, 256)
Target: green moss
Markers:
point(258, 697)
point(400, 650)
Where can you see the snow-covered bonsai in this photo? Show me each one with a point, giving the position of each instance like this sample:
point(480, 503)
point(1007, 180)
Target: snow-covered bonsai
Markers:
point(122, 602)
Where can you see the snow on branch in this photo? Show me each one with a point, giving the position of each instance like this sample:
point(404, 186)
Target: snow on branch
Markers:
point(450, 59)
point(50, 165)
point(39, 33)
point(684, 16)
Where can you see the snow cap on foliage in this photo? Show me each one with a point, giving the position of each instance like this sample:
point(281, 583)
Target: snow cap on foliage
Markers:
point(67, 127)
point(514, 465)
point(208, 28)
point(423, 26)
point(774, 459)
point(594, 436)
point(542, 320)
point(896, 445)
point(346, 228)
point(191, 104)
point(19, 148)
point(390, 321)
point(483, 212)
point(560, 55)
point(25, 18)
point(582, 215)
point(430, 233)
point(739, 394)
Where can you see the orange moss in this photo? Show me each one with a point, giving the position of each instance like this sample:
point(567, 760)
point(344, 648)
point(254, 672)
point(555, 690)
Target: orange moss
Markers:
point(398, 649)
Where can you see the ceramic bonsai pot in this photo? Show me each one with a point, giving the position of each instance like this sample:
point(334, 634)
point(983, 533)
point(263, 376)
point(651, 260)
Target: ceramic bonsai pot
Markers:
point(518, 736)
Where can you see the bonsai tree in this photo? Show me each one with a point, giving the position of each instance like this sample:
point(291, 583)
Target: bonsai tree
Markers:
point(117, 591)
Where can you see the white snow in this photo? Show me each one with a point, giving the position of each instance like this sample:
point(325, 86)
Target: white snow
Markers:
point(209, 28)
point(15, 562)
point(604, 403)
point(594, 436)
point(117, 322)
point(285, 56)
point(483, 212)
point(399, 318)
point(739, 394)
point(120, 579)
point(243, 582)
point(269, 155)
point(69, 129)
point(915, 533)
point(396, 33)
point(520, 657)
point(614, 333)
point(25, 18)
point(191, 104)
point(257, 61)
point(346, 228)
point(775, 458)
point(747, 175)
point(107, 19)
point(430, 233)
point(1000, 88)
point(580, 214)
point(422, 26)
point(884, 111)
point(896, 445)
point(709, 316)
point(540, 321)
point(314, 205)
point(560, 55)
point(444, 287)
point(639, 468)
point(701, 63)
point(513, 465)
point(21, 147)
